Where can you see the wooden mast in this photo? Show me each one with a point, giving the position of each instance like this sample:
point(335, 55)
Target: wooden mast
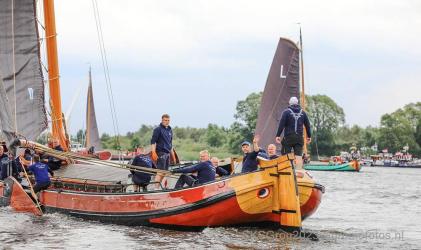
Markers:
point(58, 130)
point(303, 96)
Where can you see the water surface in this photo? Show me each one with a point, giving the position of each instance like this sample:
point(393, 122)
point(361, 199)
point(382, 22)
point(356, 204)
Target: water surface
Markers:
point(376, 208)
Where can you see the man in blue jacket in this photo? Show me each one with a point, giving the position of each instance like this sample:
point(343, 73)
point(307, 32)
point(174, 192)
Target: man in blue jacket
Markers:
point(40, 171)
point(161, 147)
point(219, 170)
point(250, 155)
point(52, 162)
point(140, 178)
point(205, 172)
point(293, 120)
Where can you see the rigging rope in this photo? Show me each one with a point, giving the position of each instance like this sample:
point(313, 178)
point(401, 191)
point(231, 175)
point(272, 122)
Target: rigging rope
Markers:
point(106, 74)
point(14, 65)
point(86, 159)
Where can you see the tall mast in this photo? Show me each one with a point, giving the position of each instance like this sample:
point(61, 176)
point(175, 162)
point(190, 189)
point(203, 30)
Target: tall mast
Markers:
point(58, 130)
point(303, 96)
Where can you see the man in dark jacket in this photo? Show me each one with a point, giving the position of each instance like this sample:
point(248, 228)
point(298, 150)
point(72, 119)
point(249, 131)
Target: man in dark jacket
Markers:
point(161, 147)
point(219, 170)
point(293, 120)
point(52, 162)
point(250, 155)
point(139, 178)
point(205, 172)
point(40, 171)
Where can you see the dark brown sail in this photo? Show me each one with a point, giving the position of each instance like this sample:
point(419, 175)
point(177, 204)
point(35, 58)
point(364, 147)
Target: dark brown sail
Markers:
point(20, 67)
point(282, 83)
point(6, 120)
point(92, 134)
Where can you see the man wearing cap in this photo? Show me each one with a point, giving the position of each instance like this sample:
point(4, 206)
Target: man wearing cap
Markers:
point(250, 156)
point(291, 125)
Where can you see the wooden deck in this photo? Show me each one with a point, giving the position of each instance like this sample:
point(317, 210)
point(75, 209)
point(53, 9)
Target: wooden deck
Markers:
point(93, 172)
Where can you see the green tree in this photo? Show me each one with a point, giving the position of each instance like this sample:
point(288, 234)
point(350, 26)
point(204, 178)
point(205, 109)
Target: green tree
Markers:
point(418, 134)
point(396, 131)
point(246, 119)
point(324, 113)
point(247, 111)
point(325, 117)
point(215, 136)
point(135, 142)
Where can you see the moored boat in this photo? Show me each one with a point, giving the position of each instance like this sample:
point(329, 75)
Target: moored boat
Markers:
point(347, 166)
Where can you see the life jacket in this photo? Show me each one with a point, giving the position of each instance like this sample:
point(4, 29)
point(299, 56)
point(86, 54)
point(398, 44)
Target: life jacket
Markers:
point(296, 116)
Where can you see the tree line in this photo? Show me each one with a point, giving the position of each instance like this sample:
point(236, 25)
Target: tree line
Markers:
point(331, 134)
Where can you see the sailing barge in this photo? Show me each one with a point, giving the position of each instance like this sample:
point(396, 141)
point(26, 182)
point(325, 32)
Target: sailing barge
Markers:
point(275, 195)
point(267, 197)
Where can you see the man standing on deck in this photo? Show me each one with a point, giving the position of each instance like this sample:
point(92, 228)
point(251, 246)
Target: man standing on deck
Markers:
point(292, 121)
point(161, 147)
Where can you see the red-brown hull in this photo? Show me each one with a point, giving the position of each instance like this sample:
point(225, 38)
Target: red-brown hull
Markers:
point(252, 198)
point(310, 207)
point(214, 204)
point(12, 194)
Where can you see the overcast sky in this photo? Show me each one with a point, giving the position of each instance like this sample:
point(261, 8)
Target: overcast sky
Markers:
point(196, 59)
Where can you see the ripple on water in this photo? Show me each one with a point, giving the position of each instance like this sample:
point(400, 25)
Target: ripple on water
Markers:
point(355, 208)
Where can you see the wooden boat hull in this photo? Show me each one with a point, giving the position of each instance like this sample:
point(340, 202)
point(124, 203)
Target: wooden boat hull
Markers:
point(12, 194)
point(310, 194)
point(353, 166)
point(237, 200)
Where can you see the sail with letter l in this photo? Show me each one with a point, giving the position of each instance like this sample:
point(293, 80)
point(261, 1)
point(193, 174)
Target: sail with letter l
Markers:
point(282, 83)
point(92, 134)
point(20, 68)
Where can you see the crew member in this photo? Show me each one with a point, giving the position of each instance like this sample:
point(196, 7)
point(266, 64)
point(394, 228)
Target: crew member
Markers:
point(219, 171)
point(140, 178)
point(250, 155)
point(271, 152)
point(291, 125)
point(52, 162)
point(161, 147)
point(205, 172)
point(40, 171)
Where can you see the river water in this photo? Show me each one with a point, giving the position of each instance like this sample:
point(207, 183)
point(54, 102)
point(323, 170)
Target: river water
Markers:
point(378, 208)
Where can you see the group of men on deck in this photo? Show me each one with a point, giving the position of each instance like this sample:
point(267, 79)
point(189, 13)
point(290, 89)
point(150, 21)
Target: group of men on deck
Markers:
point(41, 166)
point(289, 135)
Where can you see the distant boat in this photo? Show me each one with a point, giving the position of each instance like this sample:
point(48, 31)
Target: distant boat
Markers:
point(352, 166)
point(93, 142)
